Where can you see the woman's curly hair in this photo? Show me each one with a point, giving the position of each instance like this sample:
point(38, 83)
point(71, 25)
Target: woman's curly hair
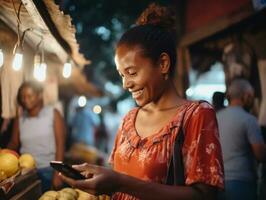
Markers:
point(162, 16)
point(155, 34)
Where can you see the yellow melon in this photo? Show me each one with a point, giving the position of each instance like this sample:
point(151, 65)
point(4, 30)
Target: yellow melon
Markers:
point(9, 151)
point(8, 163)
point(2, 176)
point(26, 161)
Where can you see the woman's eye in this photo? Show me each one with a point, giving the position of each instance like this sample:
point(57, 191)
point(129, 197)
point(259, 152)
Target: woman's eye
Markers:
point(132, 73)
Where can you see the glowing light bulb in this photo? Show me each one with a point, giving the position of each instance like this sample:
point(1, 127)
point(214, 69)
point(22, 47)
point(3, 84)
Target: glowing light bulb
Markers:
point(37, 59)
point(67, 70)
point(97, 109)
point(17, 62)
point(82, 101)
point(39, 71)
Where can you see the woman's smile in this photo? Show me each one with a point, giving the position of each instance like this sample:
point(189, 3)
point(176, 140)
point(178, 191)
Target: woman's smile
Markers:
point(137, 94)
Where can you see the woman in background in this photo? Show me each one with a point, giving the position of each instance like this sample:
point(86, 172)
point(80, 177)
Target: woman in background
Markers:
point(39, 130)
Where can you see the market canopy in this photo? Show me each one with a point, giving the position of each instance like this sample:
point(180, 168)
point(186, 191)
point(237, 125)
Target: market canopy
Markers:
point(44, 21)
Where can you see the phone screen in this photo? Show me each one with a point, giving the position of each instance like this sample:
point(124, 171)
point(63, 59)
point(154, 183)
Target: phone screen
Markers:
point(67, 170)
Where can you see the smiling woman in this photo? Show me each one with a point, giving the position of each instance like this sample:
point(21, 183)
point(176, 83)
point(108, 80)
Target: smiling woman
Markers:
point(145, 59)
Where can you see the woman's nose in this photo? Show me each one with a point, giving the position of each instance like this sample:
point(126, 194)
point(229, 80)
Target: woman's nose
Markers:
point(127, 83)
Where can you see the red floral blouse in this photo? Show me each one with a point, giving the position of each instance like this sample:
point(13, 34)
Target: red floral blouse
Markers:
point(148, 159)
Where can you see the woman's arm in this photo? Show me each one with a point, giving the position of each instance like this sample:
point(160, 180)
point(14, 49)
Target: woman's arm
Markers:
point(14, 141)
point(145, 190)
point(107, 181)
point(60, 134)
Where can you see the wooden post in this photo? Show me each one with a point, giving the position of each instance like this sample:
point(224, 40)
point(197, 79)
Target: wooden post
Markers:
point(183, 65)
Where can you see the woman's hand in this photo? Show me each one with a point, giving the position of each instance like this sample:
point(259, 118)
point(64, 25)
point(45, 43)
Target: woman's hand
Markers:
point(56, 181)
point(99, 180)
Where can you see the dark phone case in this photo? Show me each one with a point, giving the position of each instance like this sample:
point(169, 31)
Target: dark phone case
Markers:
point(66, 170)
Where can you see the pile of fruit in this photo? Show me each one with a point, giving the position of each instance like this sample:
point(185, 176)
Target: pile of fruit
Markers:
point(11, 163)
point(70, 194)
point(84, 153)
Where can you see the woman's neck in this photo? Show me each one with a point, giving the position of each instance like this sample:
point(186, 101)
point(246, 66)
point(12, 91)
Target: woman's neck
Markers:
point(35, 111)
point(167, 101)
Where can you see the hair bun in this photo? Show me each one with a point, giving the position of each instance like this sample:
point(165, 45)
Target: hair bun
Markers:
point(158, 15)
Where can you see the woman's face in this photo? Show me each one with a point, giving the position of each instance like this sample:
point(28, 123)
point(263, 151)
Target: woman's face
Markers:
point(29, 98)
point(140, 76)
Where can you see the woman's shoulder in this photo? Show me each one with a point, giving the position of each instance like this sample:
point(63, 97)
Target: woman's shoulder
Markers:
point(197, 110)
point(130, 115)
point(199, 106)
point(127, 122)
point(47, 110)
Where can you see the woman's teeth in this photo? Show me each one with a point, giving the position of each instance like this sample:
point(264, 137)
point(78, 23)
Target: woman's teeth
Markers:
point(136, 94)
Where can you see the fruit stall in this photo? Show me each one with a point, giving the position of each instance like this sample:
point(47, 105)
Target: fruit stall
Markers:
point(71, 194)
point(80, 153)
point(18, 176)
point(19, 180)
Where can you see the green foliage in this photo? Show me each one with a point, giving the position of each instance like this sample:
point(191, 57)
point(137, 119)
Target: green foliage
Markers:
point(99, 25)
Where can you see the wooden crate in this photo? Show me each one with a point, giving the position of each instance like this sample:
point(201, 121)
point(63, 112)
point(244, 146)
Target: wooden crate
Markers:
point(32, 192)
point(23, 186)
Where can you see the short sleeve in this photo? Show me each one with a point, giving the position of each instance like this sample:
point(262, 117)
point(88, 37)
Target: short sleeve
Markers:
point(253, 131)
point(202, 150)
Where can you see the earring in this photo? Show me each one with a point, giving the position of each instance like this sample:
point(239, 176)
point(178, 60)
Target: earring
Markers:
point(166, 76)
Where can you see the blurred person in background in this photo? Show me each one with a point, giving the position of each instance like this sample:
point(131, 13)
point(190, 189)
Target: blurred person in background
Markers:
point(146, 61)
point(218, 100)
point(242, 142)
point(83, 126)
point(39, 130)
point(112, 120)
point(101, 136)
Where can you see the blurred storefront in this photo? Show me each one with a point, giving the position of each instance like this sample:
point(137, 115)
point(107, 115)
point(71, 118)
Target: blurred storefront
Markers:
point(232, 34)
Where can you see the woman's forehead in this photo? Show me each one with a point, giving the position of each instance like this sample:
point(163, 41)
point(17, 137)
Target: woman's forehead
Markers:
point(28, 89)
point(126, 55)
point(125, 49)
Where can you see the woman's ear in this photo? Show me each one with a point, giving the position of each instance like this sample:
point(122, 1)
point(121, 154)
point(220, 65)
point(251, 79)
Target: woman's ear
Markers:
point(164, 63)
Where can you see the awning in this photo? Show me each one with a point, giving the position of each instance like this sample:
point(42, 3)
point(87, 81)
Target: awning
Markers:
point(46, 21)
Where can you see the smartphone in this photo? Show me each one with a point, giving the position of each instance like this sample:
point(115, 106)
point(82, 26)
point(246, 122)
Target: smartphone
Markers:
point(66, 170)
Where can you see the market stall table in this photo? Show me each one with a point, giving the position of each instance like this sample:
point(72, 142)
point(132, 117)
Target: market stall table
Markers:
point(24, 187)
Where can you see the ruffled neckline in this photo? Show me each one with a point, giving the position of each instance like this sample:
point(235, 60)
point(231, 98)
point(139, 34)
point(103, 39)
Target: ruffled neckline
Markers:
point(130, 133)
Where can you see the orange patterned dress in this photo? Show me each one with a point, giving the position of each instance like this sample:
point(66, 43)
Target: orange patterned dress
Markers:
point(148, 158)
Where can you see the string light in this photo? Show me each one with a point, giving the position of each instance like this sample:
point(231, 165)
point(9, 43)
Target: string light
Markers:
point(67, 70)
point(18, 57)
point(18, 48)
point(39, 71)
point(17, 61)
